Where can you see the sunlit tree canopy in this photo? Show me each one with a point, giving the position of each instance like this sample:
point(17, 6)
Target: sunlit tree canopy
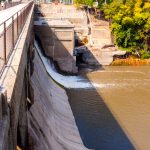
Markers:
point(130, 23)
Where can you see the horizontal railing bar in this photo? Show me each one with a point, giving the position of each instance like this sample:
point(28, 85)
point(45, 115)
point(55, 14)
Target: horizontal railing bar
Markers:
point(16, 13)
point(10, 37)
point(9, 5)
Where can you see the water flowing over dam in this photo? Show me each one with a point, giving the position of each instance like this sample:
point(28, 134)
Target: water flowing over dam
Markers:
point(66, 81)
point(108, 105)
point(51, 122)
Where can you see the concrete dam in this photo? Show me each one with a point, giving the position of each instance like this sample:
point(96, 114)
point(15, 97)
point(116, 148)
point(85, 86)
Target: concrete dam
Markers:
point(53, 98)
point(51, 117)
point(30, 116)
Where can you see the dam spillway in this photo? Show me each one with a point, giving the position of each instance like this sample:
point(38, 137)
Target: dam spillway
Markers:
point(51, 122)
point(108, 105)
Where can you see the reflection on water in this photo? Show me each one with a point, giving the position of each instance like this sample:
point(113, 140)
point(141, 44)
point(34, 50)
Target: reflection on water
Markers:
point(111, 107)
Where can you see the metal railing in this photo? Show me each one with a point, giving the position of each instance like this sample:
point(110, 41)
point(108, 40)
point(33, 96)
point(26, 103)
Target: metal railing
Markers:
point(10, 30)
point(8, 5)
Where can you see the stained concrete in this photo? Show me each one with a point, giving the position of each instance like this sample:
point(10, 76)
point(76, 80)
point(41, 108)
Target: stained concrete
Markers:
point(57, 40)
point(50, 119)
point(96, 31)
point(14, 81)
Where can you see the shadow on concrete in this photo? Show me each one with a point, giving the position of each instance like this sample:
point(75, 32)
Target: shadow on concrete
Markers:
point(85, 60)
point(56, 49)
point(98, 128)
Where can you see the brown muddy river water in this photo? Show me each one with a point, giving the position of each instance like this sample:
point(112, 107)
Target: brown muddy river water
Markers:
point(115, 116)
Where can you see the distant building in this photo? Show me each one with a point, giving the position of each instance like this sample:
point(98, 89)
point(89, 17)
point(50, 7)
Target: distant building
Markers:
point(67, 2)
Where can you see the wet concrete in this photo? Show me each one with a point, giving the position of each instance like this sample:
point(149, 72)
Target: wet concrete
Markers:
point(115, 116)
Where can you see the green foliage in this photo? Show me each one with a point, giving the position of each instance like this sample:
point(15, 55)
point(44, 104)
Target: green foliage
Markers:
point(144, 54)
point(127, 22)
point(130, 24)
point(84, 2)
point(90, 2)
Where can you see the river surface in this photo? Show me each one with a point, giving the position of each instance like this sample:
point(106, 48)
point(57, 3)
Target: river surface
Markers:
point(115, 116)
point(111, 106)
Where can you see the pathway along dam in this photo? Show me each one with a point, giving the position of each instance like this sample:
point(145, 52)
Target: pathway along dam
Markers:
point(43, 109)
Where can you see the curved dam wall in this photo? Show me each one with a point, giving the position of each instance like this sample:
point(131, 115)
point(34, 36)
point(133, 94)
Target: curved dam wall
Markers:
point(51, 125)
point(34, 111)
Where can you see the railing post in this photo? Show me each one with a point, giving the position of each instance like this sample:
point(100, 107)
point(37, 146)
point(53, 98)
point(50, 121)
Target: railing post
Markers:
point(21, 19)
point(23, 15)
point(5, 43)
point(13, 42)
point(17, 25)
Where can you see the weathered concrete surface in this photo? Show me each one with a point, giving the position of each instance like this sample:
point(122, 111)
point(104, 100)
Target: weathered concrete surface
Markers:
point(96, 31)
point(100, 49)
point(96, 56)
point(65, 12)
point(14, 80)
point(102, 56)
point(76, 16)
point(100, 31)
point(4, 121)
point(57, 39)
point(51, 122)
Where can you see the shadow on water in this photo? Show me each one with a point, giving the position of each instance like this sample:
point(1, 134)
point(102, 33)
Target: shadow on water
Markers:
point(98, 128)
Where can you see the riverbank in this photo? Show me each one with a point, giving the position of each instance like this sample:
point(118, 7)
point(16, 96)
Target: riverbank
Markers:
point(130, 62)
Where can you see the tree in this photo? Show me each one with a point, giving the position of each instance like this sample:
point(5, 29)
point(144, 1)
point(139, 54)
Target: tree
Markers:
point(130, 24)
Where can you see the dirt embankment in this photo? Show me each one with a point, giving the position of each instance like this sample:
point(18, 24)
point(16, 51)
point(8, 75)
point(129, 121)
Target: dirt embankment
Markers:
point(131, 61)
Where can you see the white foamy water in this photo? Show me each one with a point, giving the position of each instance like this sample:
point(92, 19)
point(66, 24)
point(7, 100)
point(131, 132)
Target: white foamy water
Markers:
point(66, 81)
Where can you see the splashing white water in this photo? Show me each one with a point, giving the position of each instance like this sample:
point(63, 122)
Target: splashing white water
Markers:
point(66, 81)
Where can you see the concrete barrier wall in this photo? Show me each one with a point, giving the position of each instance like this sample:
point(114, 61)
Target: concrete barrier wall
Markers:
point(14, 81)
point(68, 12)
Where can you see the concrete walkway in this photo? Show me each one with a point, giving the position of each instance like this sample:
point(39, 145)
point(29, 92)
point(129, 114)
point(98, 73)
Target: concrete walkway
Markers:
point(6, 14)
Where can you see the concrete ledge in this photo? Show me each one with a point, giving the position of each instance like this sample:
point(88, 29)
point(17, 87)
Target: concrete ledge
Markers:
point(13, 80)
point(16, 61)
